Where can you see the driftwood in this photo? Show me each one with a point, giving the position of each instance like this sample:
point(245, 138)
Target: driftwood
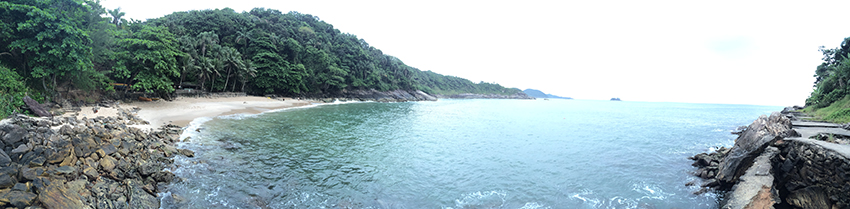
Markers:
point(36, 107)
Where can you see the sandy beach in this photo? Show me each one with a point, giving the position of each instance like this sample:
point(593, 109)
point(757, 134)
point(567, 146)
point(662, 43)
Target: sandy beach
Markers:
point(183, 110)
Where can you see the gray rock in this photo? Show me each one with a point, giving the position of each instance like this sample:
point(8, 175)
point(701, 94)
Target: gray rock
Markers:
point(4, 159)
point(66, 170)
point(761, 133)
point(7, 181)
point(139, 198)
point(15, 135)
point(20, 199)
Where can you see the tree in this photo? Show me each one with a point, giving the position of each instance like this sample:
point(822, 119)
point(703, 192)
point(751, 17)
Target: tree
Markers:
point(47, 41)
point(149, 58)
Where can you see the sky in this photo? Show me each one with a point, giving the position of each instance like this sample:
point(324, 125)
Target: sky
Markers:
point(730, 52)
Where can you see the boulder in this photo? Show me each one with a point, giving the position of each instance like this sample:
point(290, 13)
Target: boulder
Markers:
point(20, 199)
point(36, 107)
point(4, 159)
point(749, 145)
point(14, 136)
point(185, 152)
point(56, 195)
point(139, 198)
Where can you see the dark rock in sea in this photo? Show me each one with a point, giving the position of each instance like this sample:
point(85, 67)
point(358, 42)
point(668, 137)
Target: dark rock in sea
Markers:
point(187, 153)
point(231, 146)
point(761, 133)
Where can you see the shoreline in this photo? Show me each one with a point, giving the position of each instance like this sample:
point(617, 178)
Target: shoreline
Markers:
point(183, 110)
point(781, 161)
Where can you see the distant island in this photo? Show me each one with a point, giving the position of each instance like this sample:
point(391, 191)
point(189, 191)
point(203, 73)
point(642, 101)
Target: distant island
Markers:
point(539, 94)
point(615, 99)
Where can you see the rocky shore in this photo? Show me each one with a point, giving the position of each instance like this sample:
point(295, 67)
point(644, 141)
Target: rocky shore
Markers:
point(102, 162)
point(519, 95)
point(409, 95)
point(781, 161)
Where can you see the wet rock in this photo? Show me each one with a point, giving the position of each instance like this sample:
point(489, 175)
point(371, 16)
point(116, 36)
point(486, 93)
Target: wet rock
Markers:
point(163, 176)
point(148, 168)
point(187, 153)
point(139, 198)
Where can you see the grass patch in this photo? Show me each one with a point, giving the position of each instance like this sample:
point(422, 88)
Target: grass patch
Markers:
point(837, 112)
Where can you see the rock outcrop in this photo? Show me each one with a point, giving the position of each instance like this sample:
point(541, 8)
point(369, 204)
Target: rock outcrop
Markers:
point(780, 163)
point(519, 95)
point(750, 143)
point(89, 163)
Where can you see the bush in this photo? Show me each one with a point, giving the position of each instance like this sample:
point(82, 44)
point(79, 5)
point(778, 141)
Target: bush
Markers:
point(12, 90)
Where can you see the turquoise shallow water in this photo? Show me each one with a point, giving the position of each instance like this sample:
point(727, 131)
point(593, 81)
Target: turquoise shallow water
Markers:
point(456, 154)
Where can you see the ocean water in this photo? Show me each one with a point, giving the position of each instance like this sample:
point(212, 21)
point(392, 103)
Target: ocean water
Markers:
point(456, 154)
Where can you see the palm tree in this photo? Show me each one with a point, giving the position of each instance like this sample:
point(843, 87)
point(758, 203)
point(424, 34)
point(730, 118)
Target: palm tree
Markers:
point(116, 14)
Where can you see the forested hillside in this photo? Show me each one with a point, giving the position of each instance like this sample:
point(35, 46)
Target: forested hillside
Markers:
point(830, 99)
point(72, 44)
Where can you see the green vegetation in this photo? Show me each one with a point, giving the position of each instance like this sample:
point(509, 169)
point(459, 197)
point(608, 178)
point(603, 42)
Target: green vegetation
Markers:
point(51, 46)
point(830, 100)
point(837, 112)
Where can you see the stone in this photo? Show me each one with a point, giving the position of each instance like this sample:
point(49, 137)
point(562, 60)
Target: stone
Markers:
point(762, 132)
point(4, 159)
point(65, 170)
point(185, 152)
point(14, 136)
point(20, 199)
point(21, 187)
point(21, 149)
point(7, 181)
point(36, 107)
point(69, 160)
point(90, 172)
point(31, 173)
point(56, 195)
point(148, 168)
point(139, 198)
point(107, 163)
point(809, 197)
point(163, 176)
point(62, 150)
point(37, 161)
point(108, 149)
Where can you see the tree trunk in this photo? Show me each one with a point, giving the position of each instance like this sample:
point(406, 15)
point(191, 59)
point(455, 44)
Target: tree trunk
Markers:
point(212, 84)
point(227, 80)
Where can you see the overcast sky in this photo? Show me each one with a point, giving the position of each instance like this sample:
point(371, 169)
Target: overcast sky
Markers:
point(735, 52)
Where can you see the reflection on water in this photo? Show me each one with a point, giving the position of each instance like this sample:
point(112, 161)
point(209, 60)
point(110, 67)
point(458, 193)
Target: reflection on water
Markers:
point(455, 154)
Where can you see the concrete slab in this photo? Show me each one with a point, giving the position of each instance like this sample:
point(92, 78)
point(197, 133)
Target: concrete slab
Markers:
point(814, 124)
point(754, 188)
point(807, 132)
